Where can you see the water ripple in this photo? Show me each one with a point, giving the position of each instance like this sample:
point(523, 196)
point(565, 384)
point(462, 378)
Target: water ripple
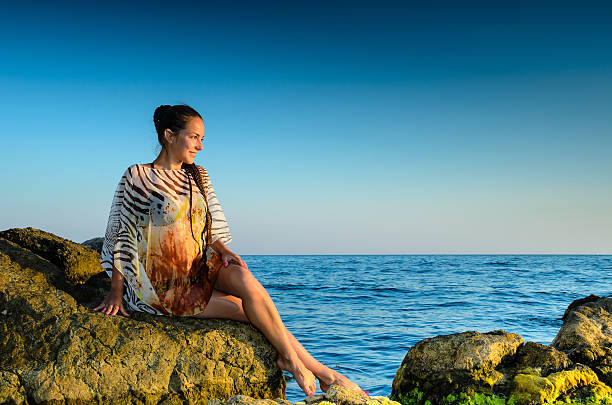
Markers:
point(360, 314)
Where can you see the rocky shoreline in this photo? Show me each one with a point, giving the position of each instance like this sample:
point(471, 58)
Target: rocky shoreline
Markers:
point(55, 349)
point(577, 365)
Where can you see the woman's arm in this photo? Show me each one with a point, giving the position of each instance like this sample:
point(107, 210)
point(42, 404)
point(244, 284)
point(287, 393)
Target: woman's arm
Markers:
point(227, 255)
point(117, 281)
point(218, 246)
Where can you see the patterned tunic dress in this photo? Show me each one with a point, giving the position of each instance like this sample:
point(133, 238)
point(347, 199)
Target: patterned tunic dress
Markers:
point(155, 239)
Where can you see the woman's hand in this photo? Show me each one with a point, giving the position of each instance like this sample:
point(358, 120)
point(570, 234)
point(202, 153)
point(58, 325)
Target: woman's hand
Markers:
point(230, 257)
point(112, 303)
point(227, 256)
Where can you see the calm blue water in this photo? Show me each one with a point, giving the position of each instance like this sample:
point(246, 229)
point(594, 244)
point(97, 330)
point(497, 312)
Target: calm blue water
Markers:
point(360, 314)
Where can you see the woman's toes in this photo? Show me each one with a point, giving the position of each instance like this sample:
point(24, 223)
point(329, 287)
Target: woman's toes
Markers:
point(309, 382)
point(303, 377)
point(342, 381)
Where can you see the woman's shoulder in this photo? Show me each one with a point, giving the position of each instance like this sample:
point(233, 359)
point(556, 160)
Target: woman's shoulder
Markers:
point(140, 167)
point(130, 170)
point(135, 169)
point(202, 170)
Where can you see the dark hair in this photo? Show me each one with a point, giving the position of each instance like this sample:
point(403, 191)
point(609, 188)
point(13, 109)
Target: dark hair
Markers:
point(175, 118)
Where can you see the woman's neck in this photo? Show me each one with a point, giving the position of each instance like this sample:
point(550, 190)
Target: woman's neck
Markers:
point(164, 161)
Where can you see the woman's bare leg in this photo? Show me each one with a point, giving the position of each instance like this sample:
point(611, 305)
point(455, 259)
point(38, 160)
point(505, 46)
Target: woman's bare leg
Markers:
point(324, 374)
point(226, 306)
point(262, 313)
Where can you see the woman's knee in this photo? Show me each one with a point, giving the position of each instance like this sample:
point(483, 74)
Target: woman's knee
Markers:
point(238, 280)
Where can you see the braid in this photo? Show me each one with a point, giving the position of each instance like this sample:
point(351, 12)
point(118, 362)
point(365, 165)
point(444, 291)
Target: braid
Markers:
point(207, 231)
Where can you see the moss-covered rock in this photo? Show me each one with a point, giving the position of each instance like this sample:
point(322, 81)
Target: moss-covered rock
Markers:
point(531, 358)
point(76, 260)
point(460, 362)
point(544, 359)
point(575, 366)
point(580, 381)
point(55, 349)
point(586, 335)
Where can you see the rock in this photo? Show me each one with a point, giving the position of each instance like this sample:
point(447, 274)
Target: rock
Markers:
point(247, 400)
point(11, 391)
point(530, 388)
point(343, 396)
point(54, 348)
point(335, 395)
point(460, 362)
point(373, 400)
point(94, 243)
point(543, 359)
point(576, 365)
point(532, 359)
point(77, 261)
point(586, 335)
point(313, 399)
point(577, 303)
point(282, 401)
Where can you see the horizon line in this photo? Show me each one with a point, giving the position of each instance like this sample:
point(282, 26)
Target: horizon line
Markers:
point(426, 254)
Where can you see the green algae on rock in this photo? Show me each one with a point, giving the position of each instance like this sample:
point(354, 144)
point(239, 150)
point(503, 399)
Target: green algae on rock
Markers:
point(586, 335)
point(532, 388)
point(544, 359)
point(55, 349)
point(576, 366)
point(454, 363)
point(416, 398)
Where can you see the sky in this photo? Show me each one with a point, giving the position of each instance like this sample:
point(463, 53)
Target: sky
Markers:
point(331, 127)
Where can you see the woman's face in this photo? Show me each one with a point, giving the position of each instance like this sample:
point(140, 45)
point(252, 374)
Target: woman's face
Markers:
point(185, 145)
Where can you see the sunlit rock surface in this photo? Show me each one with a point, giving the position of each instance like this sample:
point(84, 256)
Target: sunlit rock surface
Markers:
point(577, 364)
point(586, 334)
point(54, 348)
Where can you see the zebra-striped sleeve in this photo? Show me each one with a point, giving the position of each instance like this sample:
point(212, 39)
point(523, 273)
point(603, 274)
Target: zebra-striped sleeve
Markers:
point(220, 229)
point(119, 248)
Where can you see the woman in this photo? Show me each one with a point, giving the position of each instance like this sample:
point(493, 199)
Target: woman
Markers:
point(166, 242)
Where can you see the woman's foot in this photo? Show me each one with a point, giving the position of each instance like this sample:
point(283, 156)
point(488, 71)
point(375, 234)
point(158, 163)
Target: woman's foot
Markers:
point(303, 376)
point(329, 377)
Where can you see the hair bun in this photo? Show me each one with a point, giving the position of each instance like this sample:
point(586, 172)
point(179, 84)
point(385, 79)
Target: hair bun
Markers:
point(160, 112)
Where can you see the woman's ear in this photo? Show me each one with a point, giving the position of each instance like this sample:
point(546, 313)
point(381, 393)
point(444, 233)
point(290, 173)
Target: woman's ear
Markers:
point(169, 135)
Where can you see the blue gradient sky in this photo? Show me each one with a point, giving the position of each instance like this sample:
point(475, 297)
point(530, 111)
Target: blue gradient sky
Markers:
point(331, 127)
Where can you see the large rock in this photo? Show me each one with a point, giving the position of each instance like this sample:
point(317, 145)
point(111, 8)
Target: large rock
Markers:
point(576, 365)
point(94, 243)
point(460, 362)
point(78, 262)
point(586, 334)
point(54, 348)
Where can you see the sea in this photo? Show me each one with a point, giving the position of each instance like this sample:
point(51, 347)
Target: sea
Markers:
point(359, 314)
